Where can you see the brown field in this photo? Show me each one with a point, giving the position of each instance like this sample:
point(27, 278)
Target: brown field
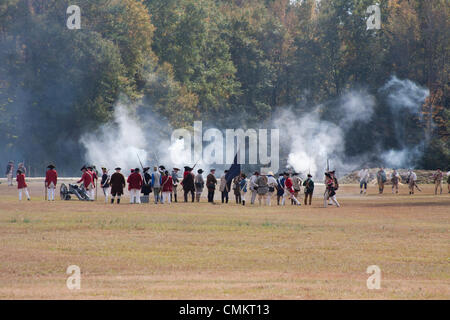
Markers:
point(201, 251)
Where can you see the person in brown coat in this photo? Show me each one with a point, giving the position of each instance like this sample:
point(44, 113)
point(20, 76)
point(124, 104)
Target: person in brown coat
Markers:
point(117, 182)
point(211, 182)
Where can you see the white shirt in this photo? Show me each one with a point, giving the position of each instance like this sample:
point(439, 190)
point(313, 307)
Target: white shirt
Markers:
point(364, 175)
point(253, 183)
point(271, 181)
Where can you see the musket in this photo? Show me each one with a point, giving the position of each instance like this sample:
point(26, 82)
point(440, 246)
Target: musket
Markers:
point(195, 165)
point(140, 162)
point(417, 186)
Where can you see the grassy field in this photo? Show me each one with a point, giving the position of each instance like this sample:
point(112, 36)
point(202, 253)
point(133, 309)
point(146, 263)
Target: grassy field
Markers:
point(204, 251)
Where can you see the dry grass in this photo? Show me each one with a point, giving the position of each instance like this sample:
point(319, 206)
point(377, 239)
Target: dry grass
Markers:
point(200, 251)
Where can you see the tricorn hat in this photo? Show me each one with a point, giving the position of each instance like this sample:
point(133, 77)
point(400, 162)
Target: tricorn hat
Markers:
point(118, 168)
point(83, 168)
point(51, 166)
point(187, 168)
point(176, 169)
point(162, 168)
point(136, 170)
point(200, 171)
point(309, 175)
point(146, 169)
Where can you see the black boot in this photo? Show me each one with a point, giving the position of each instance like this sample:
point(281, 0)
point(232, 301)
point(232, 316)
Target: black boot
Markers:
point(118, 201)
point(112, 200)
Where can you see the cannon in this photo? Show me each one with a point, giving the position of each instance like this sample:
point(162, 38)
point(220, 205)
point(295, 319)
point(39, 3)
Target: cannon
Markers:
point(74, 189)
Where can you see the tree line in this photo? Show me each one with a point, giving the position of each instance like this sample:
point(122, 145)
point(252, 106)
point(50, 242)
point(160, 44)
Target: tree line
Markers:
point(229, 62)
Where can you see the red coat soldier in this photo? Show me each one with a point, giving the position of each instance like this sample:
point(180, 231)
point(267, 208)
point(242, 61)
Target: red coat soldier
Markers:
point(51, 178)
point(135, 185)
point(22, 185)
point(87, 180)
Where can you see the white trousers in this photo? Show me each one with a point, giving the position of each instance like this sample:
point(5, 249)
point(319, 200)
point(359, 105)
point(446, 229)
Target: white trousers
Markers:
point(106, 193)
point(10, 179)
point(289, 195)
point(165, 196)
point(51, 193)
point(333, 198)
point(243, 195)
point(91, 194)
point(26, 193)
point(252, 201)
point(135, 196)
point(269, 198)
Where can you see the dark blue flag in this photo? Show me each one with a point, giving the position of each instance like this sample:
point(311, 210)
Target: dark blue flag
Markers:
point(234, 170)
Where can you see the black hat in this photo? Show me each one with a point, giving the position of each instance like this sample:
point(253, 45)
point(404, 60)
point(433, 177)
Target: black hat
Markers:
point(137, 170)
point(90, 167)
point(162, 168)
point(83, 168)
point(200, 171)
point(51, 166)
point(146, 169)
point(118, 168)
point(309, 175)
point(187, 168)
point(226, 171)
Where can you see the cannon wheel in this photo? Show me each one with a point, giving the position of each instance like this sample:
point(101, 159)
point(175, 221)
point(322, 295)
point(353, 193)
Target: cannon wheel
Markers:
point(63, 192)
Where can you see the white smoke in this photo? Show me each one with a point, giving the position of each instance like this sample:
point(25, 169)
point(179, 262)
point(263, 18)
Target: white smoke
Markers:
point(405, 94)
point(403, 158)
point(309, 139)
point(117, 143)
point(313, 141)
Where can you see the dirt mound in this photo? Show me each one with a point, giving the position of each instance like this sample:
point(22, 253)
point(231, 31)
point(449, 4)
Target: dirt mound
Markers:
point(423, 176)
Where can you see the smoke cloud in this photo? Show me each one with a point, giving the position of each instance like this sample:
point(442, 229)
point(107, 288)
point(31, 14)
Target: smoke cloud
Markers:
point(117, 143)
point(308, 138)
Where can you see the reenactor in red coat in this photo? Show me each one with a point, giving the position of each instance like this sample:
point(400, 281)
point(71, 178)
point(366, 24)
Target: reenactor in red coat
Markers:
point(51, 178)
point(93, 171)
point(289, 189)
point(22, 185)
point(88, 182)
point(135, 185)
point(166, 186)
